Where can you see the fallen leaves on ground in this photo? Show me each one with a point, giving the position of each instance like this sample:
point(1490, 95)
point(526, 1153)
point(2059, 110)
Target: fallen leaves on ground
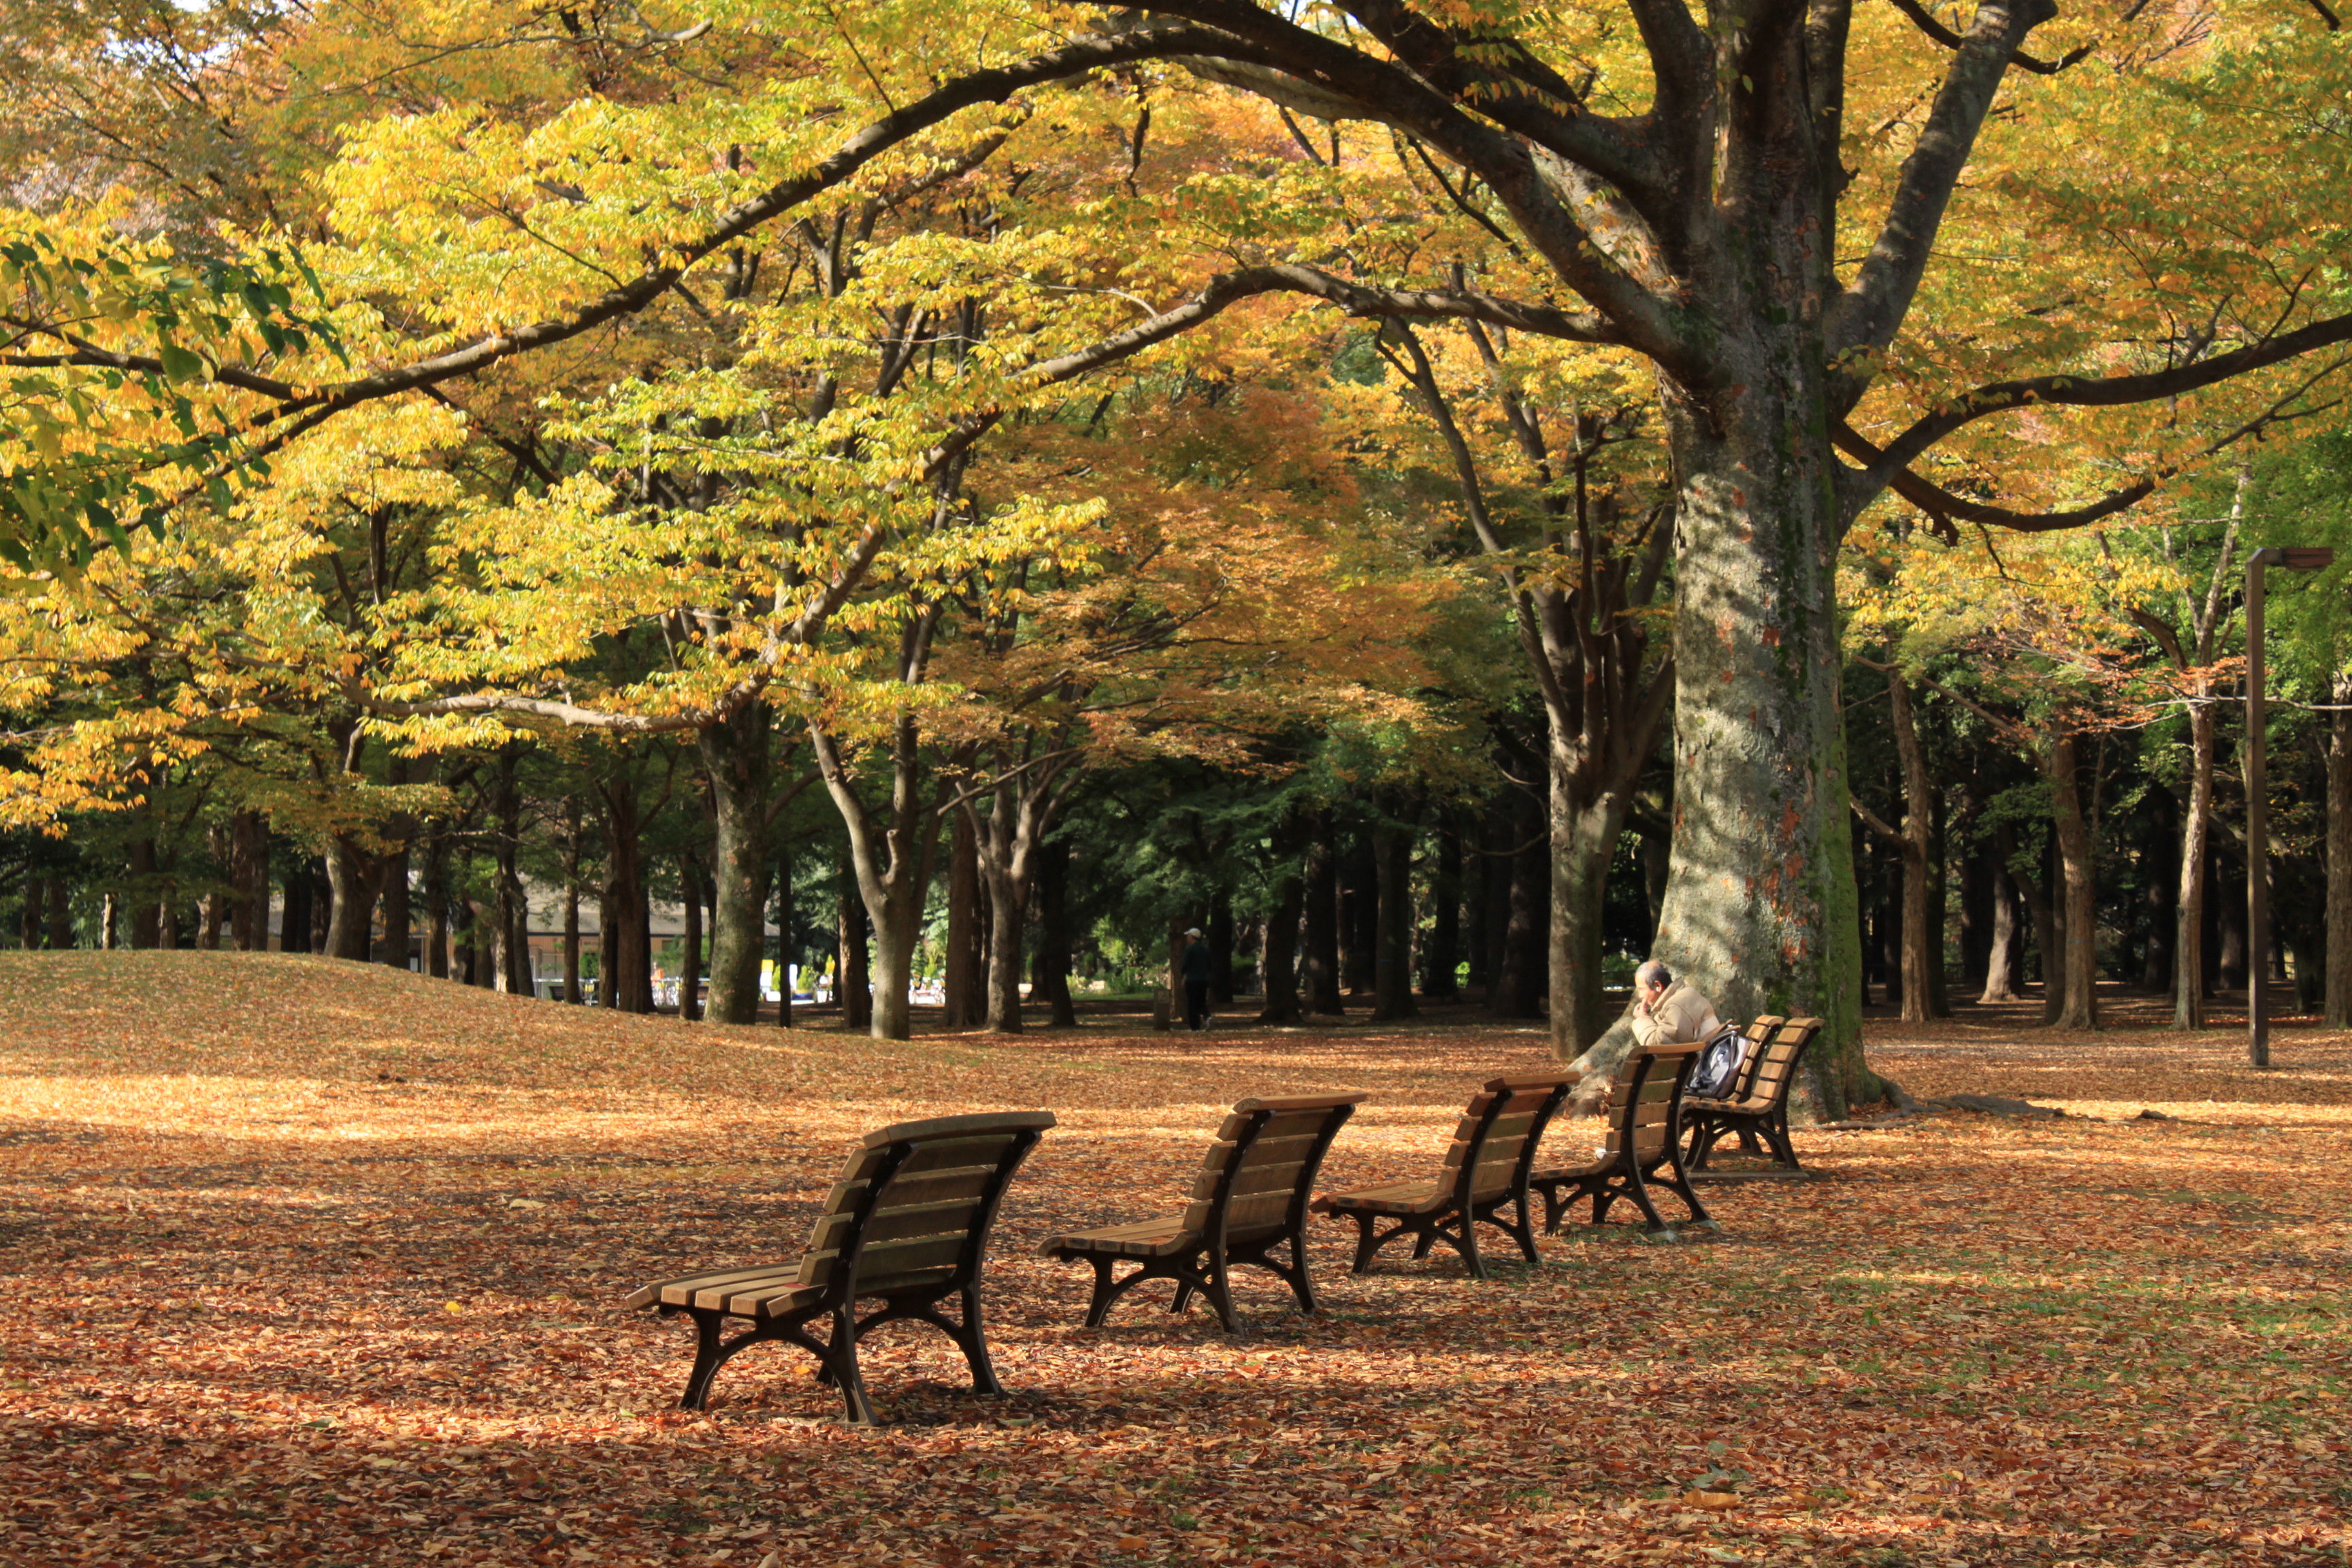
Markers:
point(308, 1261)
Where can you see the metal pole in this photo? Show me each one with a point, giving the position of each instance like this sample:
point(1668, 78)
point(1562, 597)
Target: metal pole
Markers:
point(2258, 843)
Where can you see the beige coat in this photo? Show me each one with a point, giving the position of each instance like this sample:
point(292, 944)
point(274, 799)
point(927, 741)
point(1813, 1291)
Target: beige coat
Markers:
point(1681, 1017)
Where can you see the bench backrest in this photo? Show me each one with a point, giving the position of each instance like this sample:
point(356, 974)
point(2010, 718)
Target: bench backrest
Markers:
point(914, 1203)
point(1776, 1064)
point(1758, 1033)
point(1260, 1173)
point(1494, 1142)
point(1645, 1098)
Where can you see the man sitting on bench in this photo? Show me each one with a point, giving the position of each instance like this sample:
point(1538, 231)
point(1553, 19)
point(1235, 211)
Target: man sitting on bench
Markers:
point(1668, 1013)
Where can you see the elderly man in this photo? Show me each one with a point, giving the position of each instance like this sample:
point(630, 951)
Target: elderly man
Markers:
point(1668, 1013)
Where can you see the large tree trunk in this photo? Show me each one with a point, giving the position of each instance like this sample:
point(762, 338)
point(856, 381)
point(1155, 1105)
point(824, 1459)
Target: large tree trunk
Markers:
point(61, 931)
point(1760, 910)
point(2000, 955)
point(2079, 882)
point(248, 877)
point(354, 876)
point(1391, 848)
point(1319, 964)
point(146, 916)
point(891, 852)
point(1582, 842)
point(1359, 914)
point(2338, 1009)
point(1278, 960)
point(735, 757)
point(2196, 826)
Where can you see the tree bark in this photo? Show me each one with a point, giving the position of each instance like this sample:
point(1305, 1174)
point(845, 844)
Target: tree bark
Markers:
point(61, 932)
point(2337, 1009)
point(786, 949)
point(1439, 981)
point(1319, 965)
point(146, 922)
point(2160, 885)
point(2079, 880)
point(1278, 957)
point(961, 987)
point(2001, 953)
point(572, 992)
point(1359, 914)
point(1523, 973)
point(624, 964)
point(689, 981)
point(354, 876)
point(1050, 977)
point(1391, 850)
point(891, 853)
point(507, 902)
point(2196, 826)
point(736, 757)
point(850, 982)
point(437, 904)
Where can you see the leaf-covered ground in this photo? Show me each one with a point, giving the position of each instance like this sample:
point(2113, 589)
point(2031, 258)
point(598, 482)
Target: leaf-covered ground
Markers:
point(307, 1262)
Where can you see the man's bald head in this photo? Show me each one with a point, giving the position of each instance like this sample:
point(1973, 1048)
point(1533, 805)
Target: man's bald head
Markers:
point(1652, 972)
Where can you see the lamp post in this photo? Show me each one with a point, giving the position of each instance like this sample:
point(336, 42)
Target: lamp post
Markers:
point(2258, 828)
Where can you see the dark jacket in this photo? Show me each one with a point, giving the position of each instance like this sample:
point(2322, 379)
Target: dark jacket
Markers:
point(1200, 963)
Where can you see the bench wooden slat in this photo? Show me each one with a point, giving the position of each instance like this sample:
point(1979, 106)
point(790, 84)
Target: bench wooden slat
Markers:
point(1484, 1169)
point(1248, 1197)
point(1756, 1111)
point(911, 1209)
point(1637, 1149)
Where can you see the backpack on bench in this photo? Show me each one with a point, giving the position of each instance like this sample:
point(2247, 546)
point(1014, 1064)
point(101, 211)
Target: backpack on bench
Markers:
point(1718, 1067)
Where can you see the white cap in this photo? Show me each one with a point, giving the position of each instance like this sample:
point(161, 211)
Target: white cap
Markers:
point(1193, 930)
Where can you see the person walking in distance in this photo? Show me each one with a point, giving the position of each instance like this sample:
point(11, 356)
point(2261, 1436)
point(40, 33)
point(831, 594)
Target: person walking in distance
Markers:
point(1198, 965)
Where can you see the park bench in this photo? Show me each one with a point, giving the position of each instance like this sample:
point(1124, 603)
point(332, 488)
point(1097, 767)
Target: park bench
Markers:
point(1249, 1198)
point(1639, 1151)
point(1485, 1175)
point(906, 1222)
point(1757, 1109)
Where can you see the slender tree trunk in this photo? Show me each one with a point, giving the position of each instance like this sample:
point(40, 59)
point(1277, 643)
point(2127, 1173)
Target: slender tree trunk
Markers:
point(109, 931)
point(962, 982)
point(249, 882)
point(2080, 883)
point(1221, 947)
point(1359, 914)
point(2336, 1012)
point(1279, 958)
point(2230, 916)
point(572, 994)
point(1523, 975)
point(2160, 885)
point(437, 905)
point(1923, 929)
point(785, 948)
point(1439, 981)
point(625, 977)
point(214, 917)
point(507, 902)
point(736, 757)
point(1319, 967)
point(61, 932)
point(2196, 825)
point(689, 983)
point(851, 983)
point(1391, 848)
point(1482, 870)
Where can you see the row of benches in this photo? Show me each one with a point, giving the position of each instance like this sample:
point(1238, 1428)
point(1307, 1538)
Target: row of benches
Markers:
point(908, 1223)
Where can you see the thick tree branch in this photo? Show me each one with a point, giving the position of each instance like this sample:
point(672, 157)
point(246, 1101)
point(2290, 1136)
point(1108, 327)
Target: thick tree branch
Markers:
point(1867, 314)
point(1925, 20)
point(2111, 391)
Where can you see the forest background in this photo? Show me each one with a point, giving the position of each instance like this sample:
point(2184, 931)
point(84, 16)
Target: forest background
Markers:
point(1446, 500)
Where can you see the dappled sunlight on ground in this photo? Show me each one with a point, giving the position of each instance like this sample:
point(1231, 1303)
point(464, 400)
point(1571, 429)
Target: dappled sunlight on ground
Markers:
point(314, 1262)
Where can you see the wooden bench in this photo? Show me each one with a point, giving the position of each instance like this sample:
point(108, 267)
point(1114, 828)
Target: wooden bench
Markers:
point(1757, 1109)
point(1639, 1151)
point(908, 1223)
point(1249, 1198)
point(1485, 1173)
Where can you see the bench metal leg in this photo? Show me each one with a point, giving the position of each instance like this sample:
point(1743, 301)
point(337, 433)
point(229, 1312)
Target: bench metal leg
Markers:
point(841, 1369)
point(710, 1352)
point(974, 1343)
